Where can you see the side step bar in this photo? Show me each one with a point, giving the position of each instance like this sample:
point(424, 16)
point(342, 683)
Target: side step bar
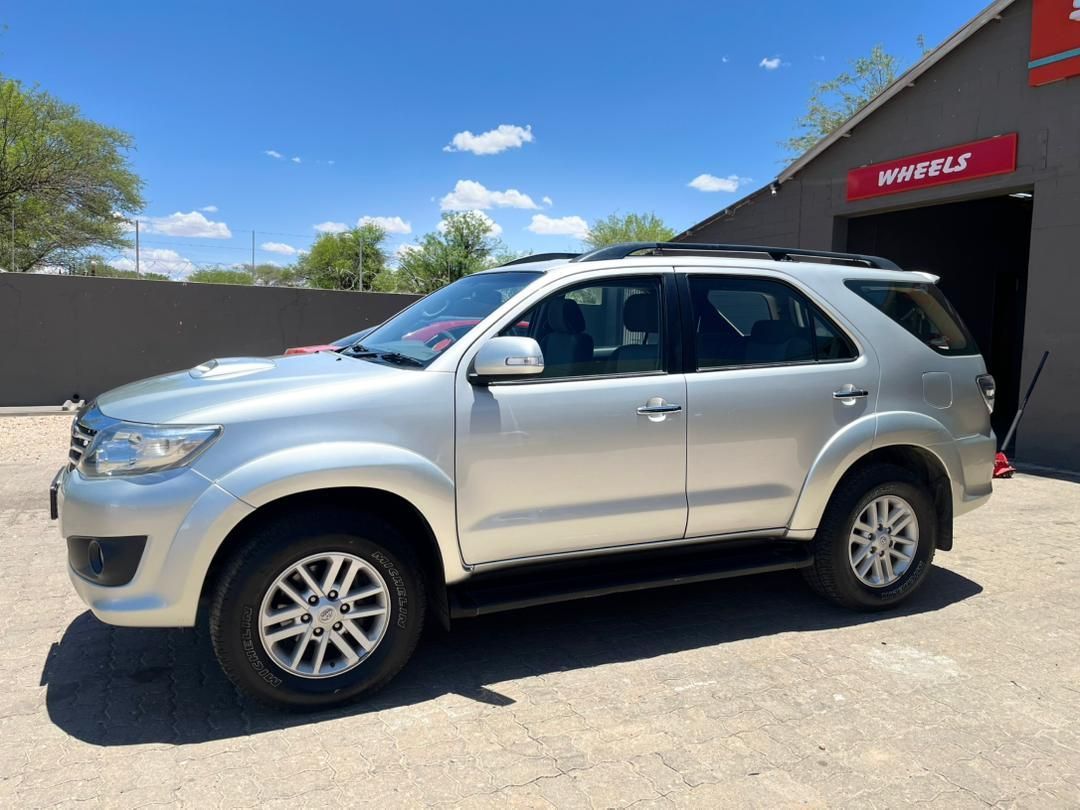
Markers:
point(544, 583)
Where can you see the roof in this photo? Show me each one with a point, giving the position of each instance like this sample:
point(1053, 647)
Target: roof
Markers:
point(905, 80)
point(803, 267)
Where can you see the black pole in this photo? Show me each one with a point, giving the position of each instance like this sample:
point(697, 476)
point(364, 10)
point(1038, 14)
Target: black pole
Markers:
point(1027, 396)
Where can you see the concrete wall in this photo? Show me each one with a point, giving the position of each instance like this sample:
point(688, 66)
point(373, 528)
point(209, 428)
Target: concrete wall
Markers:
point(978, 91)
point(62, 335)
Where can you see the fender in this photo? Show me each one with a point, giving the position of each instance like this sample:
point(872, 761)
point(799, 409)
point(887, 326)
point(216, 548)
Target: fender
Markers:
point(845, 448)
point(926, 433)
point(226, 502)
point(356, 464)
point(855, 441)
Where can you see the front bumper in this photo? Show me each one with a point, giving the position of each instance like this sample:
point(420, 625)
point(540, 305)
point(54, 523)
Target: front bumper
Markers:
point(183, 518)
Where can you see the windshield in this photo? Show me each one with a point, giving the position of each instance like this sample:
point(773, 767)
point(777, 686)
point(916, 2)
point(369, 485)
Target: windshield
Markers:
point(435, 323)
point(355, 337)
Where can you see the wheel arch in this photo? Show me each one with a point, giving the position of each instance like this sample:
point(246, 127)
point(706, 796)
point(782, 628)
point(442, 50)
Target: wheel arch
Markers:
point(362, 500)
point(910, 441)
point(395, 482)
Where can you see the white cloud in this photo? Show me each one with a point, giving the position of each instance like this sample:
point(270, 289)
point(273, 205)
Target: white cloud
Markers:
point(401, 250)
point(210, 209)
point(279, 247)
point(560, 226)
point(820, 58)
point(547, 201)
point(274, 154)
point(724, 59)
point(494, 228)
point(190, 224)
point(503, 137)
point(388, 224)
point(710, 182)
point(157, 260)
point(295, 159)
point(770, 63)
point(331, 227)
point(468, 195)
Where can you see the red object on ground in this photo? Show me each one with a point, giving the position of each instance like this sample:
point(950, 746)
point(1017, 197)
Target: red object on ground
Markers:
point(954, 164)
point(1002, 467)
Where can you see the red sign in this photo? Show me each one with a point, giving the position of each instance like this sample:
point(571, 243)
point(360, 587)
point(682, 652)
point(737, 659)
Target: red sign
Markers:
point(1055, 41)
point(955, 164)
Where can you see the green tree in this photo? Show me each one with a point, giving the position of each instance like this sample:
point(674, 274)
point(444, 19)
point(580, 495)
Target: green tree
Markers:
point(66, 181)
point(272, 275)
point(333, 263)
point(463, 244)
point(630, 228)
point(834, 102)
point(222, 275)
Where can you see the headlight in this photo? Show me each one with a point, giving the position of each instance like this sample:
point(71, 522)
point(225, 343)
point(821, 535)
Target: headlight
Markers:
point(126, 448)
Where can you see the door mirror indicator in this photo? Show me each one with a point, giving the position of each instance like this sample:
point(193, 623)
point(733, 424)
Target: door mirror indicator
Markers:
point(506, 357)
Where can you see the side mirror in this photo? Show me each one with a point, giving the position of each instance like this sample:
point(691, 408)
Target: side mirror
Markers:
point(507, 357)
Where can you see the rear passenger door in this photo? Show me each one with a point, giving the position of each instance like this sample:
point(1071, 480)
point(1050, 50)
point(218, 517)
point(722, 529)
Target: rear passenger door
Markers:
point(767, 371)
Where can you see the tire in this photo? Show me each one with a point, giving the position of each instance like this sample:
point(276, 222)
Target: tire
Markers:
point(835, 551)
point(379, 560)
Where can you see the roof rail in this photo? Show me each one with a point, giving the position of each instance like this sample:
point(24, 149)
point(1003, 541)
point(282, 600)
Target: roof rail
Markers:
point(779, 254)
point(539, 257)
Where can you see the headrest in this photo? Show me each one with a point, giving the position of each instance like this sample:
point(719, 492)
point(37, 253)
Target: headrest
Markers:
point(639, 313)
point(564, 315)
point(772, 331)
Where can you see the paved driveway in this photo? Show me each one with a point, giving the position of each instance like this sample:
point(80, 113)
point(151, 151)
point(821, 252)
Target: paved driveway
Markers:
point(747, 692)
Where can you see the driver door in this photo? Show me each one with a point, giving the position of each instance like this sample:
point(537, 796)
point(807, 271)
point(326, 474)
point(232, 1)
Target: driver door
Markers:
point(590, 454)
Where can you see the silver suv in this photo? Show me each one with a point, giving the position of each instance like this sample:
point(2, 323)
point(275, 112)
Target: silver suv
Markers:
point(557, 428)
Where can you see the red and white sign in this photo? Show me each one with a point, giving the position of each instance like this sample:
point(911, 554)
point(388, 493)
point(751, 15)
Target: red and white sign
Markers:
point(1055, 41)
point(954, 164)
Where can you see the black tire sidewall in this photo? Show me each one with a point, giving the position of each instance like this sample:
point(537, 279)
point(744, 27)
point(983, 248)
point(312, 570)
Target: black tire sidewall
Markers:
point(849, 588)
point(236, 616)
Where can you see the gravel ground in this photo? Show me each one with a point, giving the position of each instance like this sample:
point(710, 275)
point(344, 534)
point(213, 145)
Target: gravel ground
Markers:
point(749, 692)
point(34, 439)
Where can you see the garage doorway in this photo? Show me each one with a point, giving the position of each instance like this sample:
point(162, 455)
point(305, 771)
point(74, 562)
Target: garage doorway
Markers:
point(980, 250)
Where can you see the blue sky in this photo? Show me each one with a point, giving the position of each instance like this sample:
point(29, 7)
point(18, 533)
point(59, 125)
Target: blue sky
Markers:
point(625, 104)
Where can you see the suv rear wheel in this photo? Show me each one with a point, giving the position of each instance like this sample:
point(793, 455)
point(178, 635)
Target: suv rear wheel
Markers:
point(876, 540)
point(318, 609)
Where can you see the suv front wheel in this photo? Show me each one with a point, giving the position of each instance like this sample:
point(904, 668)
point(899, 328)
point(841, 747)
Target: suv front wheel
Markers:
point(317, 609)
point(876, 540)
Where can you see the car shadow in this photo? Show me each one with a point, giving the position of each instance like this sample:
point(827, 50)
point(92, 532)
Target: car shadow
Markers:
point(125, 686)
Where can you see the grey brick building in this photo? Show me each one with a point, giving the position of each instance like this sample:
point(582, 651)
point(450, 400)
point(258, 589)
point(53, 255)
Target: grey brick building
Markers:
point(968, 166)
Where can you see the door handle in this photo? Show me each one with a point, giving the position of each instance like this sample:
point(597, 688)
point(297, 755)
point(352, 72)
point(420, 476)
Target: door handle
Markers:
point(657, 405)
point(851, 392)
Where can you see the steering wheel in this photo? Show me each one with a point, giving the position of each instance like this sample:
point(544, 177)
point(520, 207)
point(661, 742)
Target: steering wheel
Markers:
point(441, 341)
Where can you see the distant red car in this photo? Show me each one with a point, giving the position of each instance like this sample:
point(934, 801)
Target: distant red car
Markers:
point(337, 345)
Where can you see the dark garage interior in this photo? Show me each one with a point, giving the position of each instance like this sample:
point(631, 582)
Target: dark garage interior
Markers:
point(980, 250)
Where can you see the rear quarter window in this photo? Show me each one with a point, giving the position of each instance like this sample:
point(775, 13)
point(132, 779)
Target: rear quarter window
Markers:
point(923, 310)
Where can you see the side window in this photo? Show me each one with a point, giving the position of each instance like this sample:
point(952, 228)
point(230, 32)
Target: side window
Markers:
point(757, 321)
point(923, 310)
point(613, 327)
point(829, 342)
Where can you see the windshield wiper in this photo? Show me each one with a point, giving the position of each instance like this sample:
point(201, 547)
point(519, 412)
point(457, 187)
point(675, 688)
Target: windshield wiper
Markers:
point(400, 359)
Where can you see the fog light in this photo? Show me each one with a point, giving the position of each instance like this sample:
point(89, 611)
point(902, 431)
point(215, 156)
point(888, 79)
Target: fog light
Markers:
point(95, 557)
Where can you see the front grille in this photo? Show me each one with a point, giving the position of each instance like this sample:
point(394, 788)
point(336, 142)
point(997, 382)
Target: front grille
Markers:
point(81, 436)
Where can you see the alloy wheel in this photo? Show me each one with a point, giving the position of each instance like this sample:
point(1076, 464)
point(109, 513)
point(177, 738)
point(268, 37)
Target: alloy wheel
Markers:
point(324, 615)
point(883, 541)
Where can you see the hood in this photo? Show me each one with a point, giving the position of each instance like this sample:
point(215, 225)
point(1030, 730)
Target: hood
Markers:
point(230, 388)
